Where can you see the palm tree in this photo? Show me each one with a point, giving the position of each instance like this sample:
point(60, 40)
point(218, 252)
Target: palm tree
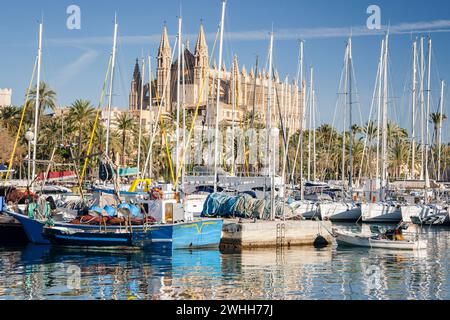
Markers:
point(436, 119)
point(125, 123)
point(9, 118)
point(47, 97)
point(81, 113)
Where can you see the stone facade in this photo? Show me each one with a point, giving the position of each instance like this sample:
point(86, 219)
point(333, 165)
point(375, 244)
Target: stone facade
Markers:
point(5, 97)
point(249, 90)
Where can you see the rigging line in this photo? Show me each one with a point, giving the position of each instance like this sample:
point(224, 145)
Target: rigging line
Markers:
point(367, 133)
point(333, 132)
point(160, 101)
point(22, 118)
point(97, 118)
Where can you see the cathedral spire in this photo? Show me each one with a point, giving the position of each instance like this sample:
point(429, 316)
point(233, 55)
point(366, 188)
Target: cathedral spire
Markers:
point(201, 41)
point(165, 44)
point(137, 72)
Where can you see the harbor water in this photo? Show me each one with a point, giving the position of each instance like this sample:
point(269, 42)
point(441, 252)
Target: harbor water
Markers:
point(40, 272)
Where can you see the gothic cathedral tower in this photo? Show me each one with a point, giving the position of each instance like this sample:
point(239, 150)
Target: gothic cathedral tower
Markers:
point(201, 67)
point(164, 66)
point(135, 91)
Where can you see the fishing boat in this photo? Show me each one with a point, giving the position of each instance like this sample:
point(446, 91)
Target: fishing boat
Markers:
point(166, 220)
point(391, 239)
point(184, 235)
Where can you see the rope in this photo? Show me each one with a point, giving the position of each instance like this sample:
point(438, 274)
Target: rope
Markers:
point(21, 122)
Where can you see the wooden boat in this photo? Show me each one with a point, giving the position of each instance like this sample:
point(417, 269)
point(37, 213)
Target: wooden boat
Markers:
point(346, 238)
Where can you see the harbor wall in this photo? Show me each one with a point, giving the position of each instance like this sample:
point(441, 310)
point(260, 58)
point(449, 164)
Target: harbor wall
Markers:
point(265, 234)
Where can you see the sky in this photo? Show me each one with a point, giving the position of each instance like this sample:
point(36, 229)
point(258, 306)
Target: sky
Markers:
point(75, 61)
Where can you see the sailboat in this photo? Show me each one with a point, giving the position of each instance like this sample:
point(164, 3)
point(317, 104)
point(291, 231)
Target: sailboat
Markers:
point(344, 210)
point(384, 210)
point(426, 212)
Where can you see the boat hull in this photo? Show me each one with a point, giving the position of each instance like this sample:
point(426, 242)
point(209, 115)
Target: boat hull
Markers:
point(381, 212)
point(347, 239)
point(196, 234)
point(340, 211)
point(306, 209)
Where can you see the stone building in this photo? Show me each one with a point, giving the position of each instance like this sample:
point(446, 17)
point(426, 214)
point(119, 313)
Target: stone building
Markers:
point(5, 97)
point(249, 90)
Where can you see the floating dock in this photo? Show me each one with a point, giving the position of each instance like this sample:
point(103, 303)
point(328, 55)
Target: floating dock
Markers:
point(248, 234)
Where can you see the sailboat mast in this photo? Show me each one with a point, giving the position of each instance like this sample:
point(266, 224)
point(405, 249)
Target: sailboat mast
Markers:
point(216, 136)
point(37, 105)
point(385, 116)
point(183, 103)
point(269, 100)
point(111, 85)
point(427, 146)
point(414, 94)
point(441, 110)
point(140, 117)
point(346, 63)
point(350, 107)
point(422, 108)
point(311, 129)
point(177, 127)
point(233, 125)
point(314, 135)
point(380, 81)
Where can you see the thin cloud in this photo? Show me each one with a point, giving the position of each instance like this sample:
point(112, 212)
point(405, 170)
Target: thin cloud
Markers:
point(73, 69)
point(436, 26)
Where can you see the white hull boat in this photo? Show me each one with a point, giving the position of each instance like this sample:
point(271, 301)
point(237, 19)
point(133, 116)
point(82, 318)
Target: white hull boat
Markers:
point(306, 209)
point(340, 211)
point(414, 211)
point(370, 241)
point(384, 212)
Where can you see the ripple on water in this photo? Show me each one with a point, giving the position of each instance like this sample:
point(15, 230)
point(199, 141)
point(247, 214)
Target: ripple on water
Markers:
point(299, 273)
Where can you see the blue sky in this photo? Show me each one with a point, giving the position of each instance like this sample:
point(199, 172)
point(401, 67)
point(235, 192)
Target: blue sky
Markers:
point(74, 61)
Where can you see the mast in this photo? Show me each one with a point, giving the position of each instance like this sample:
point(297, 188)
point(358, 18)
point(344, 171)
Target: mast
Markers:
point(422, 108)
point(346, 63)
point(302, 118)
point(380, 81)
point(414, 94)
point(385, 119)
point(441, 110)
point(350, 102)
point(233, 91)
point(269, 100)
point(111, 84)
point(148, 159)
point(140, 117)
point(314, 134)
point(37, 106)
point(216, 136)
point(177, 127)
point(183, 103)
point(310, 121)
point(427, 146)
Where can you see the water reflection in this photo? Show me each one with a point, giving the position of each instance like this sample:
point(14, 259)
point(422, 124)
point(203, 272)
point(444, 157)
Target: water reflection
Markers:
point(299, 273)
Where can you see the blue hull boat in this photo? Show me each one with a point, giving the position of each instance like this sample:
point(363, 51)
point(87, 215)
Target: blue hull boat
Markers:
point(202, 233)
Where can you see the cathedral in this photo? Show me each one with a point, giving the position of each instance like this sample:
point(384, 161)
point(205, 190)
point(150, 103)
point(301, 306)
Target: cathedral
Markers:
point(242, 93)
